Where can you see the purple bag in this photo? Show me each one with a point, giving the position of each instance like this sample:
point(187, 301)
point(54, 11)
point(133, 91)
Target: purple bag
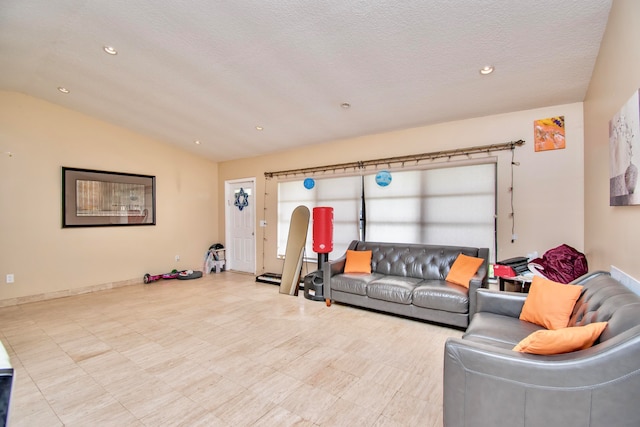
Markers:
point(562, 264)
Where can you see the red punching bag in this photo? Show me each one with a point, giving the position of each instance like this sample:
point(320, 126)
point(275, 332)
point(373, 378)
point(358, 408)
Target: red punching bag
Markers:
point(322, 230)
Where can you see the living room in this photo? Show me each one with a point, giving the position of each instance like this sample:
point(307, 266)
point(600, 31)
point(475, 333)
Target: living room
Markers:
point(560, 196)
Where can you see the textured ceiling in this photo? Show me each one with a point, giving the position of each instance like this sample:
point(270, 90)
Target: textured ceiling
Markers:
point(214, 70)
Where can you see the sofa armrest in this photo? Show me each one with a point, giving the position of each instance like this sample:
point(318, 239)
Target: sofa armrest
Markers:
point(500, 302)
point(585, 278)
point(595, 386)
point(478, 281)
point(330, 269)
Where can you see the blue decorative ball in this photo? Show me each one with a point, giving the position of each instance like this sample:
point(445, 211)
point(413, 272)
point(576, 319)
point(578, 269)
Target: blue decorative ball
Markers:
point(383, 178)
point(309, 183)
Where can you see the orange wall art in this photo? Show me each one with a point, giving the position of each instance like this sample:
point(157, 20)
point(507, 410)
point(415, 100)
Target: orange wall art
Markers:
point(548, 134)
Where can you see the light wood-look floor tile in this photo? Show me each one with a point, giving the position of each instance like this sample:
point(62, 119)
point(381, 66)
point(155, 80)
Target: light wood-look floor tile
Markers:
point(219, 351)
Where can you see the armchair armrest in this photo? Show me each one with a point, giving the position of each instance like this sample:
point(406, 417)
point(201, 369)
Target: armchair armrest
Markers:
point(500, 302)
point(588, 387)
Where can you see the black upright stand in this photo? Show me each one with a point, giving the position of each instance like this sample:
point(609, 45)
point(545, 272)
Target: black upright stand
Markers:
point(314, 283)
point(322, 258)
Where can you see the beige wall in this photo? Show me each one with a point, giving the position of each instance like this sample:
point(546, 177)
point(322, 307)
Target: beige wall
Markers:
point(549, 196)
point(46, 258)
point(611, 233)
point(549, 193)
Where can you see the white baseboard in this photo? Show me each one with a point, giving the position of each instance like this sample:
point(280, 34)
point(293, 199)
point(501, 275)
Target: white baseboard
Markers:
point(67, 292)
point(625, 279)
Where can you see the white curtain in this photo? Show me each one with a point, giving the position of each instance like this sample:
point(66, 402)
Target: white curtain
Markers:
point(447, 205)
point(340, 193)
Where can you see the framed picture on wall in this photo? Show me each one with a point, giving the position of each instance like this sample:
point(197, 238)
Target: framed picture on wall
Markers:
point(94, 198)
point(548, 134)
point(624, 153)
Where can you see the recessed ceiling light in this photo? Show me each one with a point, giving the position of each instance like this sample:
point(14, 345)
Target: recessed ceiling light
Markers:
point(259, 128)
point(63, 89)
point(487, 69)
point(110, 50)
point(345, 105)
point(197, 142)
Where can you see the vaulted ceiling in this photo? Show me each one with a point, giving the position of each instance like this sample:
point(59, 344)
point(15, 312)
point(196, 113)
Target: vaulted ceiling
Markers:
point(218, 71)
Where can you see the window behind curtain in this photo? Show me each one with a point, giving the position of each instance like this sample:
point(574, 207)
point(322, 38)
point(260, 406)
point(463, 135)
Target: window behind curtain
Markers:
point(453, 205)
point(445, 206)
point(340, 193)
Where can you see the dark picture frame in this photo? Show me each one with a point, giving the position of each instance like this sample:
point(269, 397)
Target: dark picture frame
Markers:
point(96, 198)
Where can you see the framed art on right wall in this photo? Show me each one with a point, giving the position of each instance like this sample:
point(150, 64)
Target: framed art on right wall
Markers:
point(624, 153)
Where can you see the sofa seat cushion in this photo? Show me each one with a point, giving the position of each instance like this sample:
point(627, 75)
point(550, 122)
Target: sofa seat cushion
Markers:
point(393, 289)
point(441, 295)
point(503, 330)
point(353, 283)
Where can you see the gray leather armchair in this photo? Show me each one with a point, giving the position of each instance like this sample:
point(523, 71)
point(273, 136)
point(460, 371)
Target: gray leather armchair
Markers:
point(488, 384)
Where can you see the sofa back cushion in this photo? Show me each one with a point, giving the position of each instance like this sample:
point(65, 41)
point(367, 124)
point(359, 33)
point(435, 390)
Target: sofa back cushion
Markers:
point(604, 299)
point(429, 262)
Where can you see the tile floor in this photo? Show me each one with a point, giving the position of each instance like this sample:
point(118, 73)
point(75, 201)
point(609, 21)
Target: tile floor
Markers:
point(218, 351)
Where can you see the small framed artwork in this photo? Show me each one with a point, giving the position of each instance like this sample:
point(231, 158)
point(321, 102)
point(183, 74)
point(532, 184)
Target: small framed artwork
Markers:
point(94, 198)
point(548, 134)
point(624, 153)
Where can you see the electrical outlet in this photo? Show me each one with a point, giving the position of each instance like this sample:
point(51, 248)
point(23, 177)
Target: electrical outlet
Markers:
point(10, 278)
point(177, 258)
point(514, 237)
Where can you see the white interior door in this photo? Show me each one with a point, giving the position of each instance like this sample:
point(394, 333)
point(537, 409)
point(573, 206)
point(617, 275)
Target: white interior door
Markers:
point(241, 225)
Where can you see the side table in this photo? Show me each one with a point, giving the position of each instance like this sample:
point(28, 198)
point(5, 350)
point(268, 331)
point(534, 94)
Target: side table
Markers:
point(515, 284)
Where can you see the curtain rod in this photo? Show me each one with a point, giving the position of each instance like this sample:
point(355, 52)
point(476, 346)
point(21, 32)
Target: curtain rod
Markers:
point(401, 159)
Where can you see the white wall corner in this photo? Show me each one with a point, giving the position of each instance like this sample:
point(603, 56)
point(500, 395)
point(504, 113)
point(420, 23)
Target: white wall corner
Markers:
point(625, 279)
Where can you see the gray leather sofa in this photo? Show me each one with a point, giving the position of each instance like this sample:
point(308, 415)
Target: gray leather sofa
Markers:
point(409, 280)
point(488, 384)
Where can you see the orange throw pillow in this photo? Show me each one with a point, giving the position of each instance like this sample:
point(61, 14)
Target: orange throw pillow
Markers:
point(549, 304)
point(463, 269)
point(358, 262)
point(562, 340)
